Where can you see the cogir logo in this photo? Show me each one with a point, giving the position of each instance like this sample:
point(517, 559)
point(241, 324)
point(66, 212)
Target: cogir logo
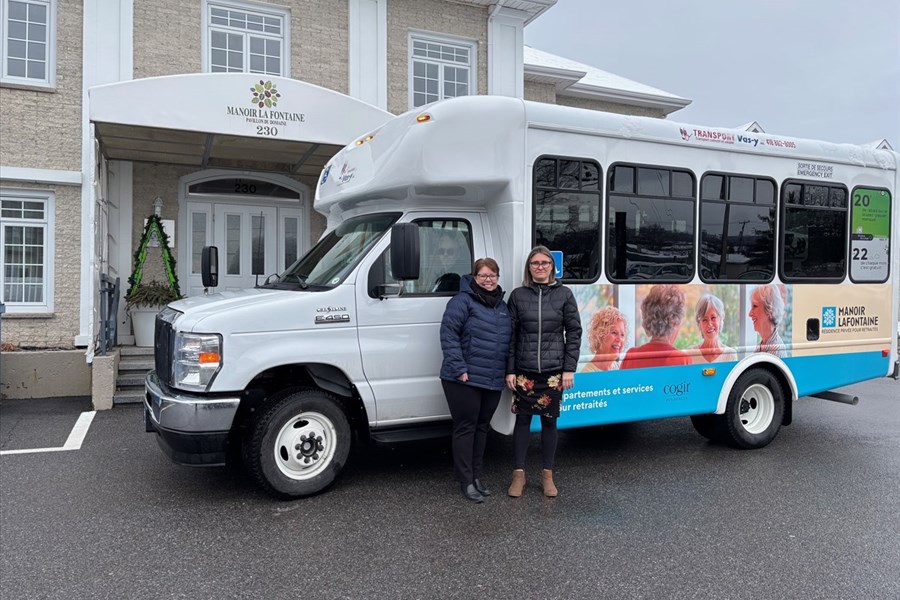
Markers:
point(677, 389)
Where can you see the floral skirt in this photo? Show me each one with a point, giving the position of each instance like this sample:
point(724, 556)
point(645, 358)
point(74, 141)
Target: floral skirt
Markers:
point(537, 394)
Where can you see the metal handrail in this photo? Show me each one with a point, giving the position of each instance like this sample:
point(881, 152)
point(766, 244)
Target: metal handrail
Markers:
point(109, 309)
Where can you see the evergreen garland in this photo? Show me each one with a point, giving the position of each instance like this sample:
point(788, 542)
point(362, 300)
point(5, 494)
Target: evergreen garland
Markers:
point(154, 226)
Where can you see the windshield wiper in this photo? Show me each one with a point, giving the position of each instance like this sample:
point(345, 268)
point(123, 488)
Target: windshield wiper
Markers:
point(301, 279)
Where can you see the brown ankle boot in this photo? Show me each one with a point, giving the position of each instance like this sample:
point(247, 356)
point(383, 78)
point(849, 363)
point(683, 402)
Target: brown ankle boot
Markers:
point(547, 482)
point(518, 483)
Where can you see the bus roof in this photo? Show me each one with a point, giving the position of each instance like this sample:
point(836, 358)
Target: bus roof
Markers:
point(551, 116)
point(470, 147)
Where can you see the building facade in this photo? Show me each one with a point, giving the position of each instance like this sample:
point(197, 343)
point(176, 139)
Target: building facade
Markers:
point(218, 115)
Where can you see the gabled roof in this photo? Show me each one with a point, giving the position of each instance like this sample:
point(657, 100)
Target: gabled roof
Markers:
point(881, 144)
point(576, 79)
point(533, 8)
point(752, 127)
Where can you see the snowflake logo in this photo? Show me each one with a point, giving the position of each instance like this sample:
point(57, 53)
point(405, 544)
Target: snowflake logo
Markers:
point(265, 94)
point(829, 316)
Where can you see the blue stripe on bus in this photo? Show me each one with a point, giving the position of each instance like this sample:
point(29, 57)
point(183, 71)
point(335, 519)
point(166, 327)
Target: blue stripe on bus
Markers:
point(825, 372)
point(600, 398)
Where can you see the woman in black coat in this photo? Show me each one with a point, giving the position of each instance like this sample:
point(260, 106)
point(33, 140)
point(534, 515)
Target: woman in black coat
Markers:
point(543, 356)
point(475, 333)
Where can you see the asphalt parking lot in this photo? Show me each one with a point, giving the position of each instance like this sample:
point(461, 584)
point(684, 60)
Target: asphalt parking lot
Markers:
point(646, 510)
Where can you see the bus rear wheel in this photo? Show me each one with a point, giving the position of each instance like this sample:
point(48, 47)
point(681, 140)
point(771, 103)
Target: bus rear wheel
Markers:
point(707, 426)
point(298, 444)
point(754, 412)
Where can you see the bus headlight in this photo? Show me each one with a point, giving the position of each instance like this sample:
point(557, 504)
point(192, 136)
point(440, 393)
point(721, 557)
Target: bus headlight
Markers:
point(196, 360)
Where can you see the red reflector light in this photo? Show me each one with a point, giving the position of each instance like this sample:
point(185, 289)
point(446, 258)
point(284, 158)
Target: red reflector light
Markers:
point(885, 353)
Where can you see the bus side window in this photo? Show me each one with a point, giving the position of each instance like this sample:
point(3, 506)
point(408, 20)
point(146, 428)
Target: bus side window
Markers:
point(737, 228)
point(650, 227)
point(566, 199)
point(814, 231)
point(445, 255)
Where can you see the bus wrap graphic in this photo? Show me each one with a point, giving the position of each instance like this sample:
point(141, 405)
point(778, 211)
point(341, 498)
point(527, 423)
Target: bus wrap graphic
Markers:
point(829, 316)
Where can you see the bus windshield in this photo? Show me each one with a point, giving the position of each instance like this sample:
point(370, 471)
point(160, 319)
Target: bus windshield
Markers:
point(333, 258)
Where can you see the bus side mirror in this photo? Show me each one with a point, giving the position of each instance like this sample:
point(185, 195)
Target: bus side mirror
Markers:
point(209, 266)
point(405, 251)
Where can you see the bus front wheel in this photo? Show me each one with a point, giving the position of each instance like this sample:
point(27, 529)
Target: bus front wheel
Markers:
point(298, 444)
point(754, 412)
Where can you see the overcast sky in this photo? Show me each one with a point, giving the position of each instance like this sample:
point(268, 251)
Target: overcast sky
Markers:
point(822, 69)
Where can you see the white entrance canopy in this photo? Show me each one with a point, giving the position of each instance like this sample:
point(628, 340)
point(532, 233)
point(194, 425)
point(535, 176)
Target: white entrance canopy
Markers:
point(228, 120)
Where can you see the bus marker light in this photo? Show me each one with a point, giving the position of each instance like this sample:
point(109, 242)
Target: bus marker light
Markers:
point(206, 358)
point(885, 353)
point(423, 118)
point(709, 372)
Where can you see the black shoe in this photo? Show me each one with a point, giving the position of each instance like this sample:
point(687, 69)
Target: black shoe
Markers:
point(469, 491)
point(481, 489)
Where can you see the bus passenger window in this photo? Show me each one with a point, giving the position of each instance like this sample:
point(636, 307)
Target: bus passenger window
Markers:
point(650, 234)
point(567, 213)
point(814, 238)
point(737, 228)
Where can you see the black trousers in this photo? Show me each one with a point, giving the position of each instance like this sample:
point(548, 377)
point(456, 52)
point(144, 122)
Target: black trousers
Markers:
point(471, 408)
point(522, 435)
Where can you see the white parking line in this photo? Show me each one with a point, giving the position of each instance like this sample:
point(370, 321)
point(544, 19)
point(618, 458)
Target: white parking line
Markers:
point(76, 437)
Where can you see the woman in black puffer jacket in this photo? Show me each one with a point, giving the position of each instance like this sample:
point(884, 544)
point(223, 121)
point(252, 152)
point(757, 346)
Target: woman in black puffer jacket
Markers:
point(543, 356)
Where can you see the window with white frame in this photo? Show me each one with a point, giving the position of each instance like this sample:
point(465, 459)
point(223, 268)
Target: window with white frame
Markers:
point(29, 42)
point(26, 239)
point(246, 38)
point(439, 69)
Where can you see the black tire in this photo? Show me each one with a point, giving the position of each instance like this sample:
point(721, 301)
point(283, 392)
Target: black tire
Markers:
point(754, 412)
point(707, 426)
point(297, 445)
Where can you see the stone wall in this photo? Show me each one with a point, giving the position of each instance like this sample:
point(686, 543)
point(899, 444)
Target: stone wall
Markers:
point(59, 328)
point(319, 37)
point(467, 22)
point(41, 128)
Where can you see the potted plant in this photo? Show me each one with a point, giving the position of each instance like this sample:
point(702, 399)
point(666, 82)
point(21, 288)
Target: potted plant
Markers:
point(143, 304)
point(144, 300)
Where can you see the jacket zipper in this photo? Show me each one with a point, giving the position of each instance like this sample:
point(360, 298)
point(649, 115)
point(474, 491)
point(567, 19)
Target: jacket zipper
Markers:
point(540, 325)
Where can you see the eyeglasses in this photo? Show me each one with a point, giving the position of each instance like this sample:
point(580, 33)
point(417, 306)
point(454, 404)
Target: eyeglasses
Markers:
point(540, 264)
point(445, 251)
point(486, 277)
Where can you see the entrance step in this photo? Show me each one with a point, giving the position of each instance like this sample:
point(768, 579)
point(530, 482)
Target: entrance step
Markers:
point(134, 364)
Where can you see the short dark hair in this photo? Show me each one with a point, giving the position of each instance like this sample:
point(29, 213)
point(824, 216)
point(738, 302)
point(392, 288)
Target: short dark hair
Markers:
point(488, 262)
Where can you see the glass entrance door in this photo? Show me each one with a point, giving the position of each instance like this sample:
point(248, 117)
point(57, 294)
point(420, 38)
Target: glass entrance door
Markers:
point(245, 236)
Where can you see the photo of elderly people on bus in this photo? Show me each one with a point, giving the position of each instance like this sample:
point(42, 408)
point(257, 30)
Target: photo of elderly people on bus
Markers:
point(606, 336)
point(710, 316)
point(767, 312)
point(662, 312)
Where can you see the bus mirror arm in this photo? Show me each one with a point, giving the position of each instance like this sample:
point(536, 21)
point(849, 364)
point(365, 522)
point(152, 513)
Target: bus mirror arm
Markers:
point(389, 290)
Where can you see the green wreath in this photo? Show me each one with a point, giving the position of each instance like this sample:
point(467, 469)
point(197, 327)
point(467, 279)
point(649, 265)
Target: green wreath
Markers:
point(154, 227)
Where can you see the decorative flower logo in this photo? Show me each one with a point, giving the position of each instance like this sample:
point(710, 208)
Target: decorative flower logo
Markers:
point(265, 94)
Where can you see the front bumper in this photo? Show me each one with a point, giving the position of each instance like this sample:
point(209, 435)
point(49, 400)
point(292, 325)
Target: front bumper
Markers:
point(191, 429)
